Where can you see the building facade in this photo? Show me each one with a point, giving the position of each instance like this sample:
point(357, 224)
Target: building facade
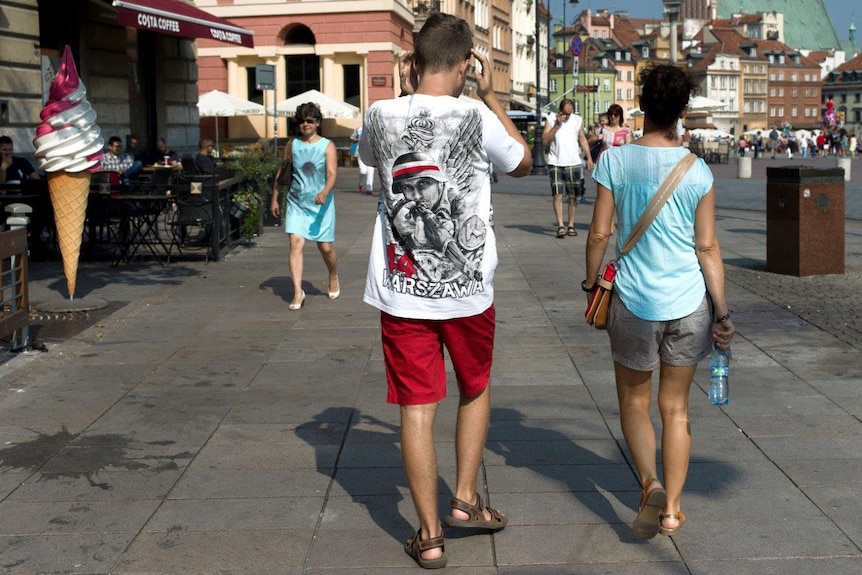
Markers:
point(140, 79)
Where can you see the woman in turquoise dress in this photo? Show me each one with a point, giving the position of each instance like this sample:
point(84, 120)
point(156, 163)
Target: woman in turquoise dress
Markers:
point(310, 204)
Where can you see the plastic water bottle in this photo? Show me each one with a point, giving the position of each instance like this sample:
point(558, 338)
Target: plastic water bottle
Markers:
point(719, 367)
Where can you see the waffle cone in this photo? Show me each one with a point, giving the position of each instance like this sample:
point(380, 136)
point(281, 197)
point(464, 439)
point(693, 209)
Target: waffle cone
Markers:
point(69, 192)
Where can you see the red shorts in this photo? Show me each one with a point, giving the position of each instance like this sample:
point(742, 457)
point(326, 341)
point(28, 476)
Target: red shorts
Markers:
point(413, 350)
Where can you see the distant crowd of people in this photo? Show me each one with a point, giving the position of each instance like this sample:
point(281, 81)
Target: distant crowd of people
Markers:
point(836, 142)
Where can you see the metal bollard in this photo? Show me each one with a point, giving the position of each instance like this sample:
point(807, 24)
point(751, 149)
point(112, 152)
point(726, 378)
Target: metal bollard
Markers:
point(844, 164)
point(743, 168)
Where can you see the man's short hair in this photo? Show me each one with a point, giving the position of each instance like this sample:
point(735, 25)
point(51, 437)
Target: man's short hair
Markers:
point(5, 140)
point(443, 43)
point(114, 140)
point(204, 142)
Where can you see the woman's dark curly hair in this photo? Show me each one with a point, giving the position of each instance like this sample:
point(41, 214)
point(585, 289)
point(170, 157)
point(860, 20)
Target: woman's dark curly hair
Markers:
point(309, 110)
point(665, 90)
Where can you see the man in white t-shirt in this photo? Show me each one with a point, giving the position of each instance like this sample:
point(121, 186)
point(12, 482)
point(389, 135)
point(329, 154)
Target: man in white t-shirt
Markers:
point(432, 263)
point(568, 146)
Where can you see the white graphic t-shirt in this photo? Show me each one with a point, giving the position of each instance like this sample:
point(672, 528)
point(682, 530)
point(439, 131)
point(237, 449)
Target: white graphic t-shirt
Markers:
point(433, 252)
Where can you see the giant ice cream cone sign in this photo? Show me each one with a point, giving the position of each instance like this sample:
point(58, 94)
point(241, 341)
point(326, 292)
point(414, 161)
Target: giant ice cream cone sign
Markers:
point(69, 147)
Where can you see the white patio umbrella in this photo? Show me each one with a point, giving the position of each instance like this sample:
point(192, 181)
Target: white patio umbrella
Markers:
point(634, 113)
point(704, 104)
point(329, 107)
point(217, 104)
point(710, 133)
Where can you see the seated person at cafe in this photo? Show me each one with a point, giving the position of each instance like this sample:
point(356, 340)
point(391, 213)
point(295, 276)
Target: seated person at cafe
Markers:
point(14, 168)
point(124, 164)
point(162, 150)
point(204, 162)
point(135, 149)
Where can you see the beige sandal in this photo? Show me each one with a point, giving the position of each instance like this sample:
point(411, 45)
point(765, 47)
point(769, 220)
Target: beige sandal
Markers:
point(648, 523)
point(680, 516)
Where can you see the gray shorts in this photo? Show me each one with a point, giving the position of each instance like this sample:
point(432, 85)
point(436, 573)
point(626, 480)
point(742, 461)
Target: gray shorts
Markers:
point(639, 344)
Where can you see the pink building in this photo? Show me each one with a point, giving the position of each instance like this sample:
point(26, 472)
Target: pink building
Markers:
point(347, 49)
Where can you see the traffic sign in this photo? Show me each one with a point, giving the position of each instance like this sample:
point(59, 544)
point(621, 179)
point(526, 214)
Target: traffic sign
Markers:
point(577, 45)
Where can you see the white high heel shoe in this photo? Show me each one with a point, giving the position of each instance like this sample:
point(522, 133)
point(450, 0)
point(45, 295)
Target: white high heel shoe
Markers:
point(297, 306)
point(336, 293)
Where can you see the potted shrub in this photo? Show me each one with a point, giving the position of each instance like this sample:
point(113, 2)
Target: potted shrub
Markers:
point(257, 172)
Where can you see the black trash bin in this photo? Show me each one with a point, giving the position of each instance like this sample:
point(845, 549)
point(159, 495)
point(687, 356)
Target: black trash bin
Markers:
point(804, 221)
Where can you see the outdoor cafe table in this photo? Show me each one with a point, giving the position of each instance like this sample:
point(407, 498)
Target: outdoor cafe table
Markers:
point(139, 225)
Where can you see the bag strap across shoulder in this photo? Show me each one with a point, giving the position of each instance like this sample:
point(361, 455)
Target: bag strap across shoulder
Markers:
point(658, 201)
point(288, 150)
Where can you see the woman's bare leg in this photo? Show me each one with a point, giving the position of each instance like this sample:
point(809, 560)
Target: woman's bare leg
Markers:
point(330, 258)
point(673, 392)
point(634, 392)
point(295, 264)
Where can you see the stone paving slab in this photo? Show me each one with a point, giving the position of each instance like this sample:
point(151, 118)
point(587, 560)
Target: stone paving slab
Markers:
point(204, 428)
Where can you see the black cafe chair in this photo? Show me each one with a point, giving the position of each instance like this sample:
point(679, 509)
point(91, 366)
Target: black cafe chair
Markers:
point(193, 220)
point(189, 166)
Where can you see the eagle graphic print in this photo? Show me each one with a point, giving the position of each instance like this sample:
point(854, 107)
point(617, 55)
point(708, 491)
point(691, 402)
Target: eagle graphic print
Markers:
point(435, 238)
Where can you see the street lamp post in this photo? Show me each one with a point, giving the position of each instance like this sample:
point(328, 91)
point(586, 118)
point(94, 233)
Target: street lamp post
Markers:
point(540, 168)
point(565, 56)
point(671, 8)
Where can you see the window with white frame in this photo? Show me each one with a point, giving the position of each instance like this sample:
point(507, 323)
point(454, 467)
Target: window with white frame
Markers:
point(781, 76)
point(733, 82)
point(792, 92)
point(732, 104)
point(781, 92)
point(794, 77)
point(629, 94)
point(629, 75)
point(793, 112)
point(772, 92)
point(746, 107)
point(781, 111)
point(606, 84)
point(553, 85)
point(771, 111)
point(480, 14)
point(619, 93)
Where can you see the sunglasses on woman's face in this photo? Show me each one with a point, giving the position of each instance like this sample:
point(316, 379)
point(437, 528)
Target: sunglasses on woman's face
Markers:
point(308, 121)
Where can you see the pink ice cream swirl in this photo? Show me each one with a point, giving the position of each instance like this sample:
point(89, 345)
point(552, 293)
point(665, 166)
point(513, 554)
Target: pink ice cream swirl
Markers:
point(68, 138)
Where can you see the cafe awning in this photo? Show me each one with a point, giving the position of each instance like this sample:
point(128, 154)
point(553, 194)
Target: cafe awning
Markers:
point(180, 19)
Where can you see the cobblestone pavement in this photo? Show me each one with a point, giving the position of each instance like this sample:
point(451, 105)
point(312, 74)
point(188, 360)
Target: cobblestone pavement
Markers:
point(830, 302)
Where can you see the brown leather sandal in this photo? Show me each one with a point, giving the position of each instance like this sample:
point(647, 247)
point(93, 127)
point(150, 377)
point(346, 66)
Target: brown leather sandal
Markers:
point(477, 515)
point(648, 523)
point(671, 530)
point(415, 547)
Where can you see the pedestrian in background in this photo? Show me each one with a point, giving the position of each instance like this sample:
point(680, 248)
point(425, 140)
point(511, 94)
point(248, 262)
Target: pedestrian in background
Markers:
point(310, 203)
point(366, 172)
point(668, 305)
point(432, 263)
point(568, 148)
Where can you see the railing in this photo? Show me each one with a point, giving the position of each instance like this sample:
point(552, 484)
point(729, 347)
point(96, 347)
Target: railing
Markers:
point(14, 291)
point(224, 235)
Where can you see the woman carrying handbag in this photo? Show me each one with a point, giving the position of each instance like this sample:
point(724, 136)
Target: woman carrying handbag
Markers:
point(668, 306)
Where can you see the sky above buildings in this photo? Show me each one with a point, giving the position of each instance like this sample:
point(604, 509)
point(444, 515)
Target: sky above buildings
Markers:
point(840, 11)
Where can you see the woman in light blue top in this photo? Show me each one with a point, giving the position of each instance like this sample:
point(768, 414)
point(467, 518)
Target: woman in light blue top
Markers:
point(669, 305)
point(310, 204)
